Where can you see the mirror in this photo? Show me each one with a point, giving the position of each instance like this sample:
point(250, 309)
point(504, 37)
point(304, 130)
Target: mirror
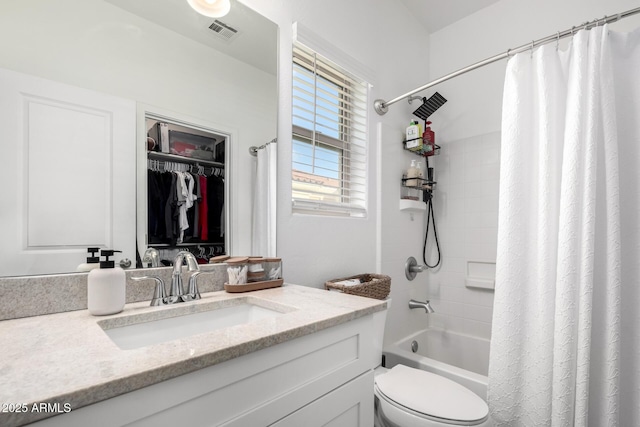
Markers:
point(168, 61)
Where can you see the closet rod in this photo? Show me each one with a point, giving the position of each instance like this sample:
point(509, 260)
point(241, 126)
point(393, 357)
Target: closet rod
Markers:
point(382, 106)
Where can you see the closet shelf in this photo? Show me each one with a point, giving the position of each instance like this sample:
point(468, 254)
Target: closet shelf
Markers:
point(155, 155)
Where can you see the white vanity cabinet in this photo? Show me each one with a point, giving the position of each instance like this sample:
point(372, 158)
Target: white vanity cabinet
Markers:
point(323, 378)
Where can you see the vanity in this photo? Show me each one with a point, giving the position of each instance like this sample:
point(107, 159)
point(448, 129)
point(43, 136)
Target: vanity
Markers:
point(286, 356)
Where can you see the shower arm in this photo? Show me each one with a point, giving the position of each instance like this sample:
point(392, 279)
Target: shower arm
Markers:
point(381, 106)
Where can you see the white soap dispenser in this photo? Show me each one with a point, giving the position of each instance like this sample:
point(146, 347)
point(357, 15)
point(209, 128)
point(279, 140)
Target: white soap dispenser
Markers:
point(106, 287)
point(419, 174)
point(93, 261)
point(412, 173)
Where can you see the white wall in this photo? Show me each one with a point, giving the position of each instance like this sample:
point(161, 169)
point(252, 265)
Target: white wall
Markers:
point(468, 128)
point(95, 45)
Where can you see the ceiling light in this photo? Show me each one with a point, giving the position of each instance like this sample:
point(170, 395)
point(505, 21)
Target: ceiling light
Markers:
point(211, 8)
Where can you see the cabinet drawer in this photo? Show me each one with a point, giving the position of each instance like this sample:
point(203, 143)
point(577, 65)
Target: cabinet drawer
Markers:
point(348, 406)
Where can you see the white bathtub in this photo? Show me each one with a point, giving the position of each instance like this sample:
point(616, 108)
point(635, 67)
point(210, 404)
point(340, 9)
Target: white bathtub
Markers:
point(461, 358)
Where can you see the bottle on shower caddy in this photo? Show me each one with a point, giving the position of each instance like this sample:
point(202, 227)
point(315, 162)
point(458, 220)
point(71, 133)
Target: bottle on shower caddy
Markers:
point(410, 187)
point(420, 175)
point(412, 174)
point(429, 138)
point(413, 138)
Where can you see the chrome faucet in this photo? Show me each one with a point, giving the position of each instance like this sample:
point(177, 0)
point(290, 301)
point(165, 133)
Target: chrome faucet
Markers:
point(152, 256)
point(176, 293)
point(417, 304)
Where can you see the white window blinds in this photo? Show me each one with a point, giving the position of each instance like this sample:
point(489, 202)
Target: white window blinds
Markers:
point(329, 137)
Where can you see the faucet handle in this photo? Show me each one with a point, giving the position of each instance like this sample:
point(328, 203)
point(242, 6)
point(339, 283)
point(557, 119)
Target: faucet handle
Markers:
point(411, 268)
point(193, 293)
point(159, 294)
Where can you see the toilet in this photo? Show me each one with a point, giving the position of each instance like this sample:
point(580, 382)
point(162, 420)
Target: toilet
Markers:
point(410, 397)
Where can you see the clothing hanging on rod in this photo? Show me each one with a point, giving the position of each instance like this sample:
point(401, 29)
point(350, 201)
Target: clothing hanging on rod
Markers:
point(185, 203)
point(382, 106)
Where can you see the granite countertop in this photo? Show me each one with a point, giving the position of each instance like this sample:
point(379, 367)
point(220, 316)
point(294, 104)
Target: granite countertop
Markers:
point(67, 358)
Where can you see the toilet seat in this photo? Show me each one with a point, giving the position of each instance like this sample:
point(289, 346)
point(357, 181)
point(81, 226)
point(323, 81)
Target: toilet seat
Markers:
point(431, 397)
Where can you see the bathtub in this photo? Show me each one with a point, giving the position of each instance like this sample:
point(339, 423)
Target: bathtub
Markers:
point(461, 358)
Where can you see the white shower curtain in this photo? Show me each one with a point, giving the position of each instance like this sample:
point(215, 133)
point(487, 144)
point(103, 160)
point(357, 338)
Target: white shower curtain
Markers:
point(263, 242)
point(565, 348)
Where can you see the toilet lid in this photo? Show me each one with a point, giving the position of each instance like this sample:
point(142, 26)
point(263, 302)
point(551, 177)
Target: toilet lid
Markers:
point(431, 394)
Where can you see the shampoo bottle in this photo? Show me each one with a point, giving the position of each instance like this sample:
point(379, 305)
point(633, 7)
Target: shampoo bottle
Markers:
point(106, 287)
point(413, 139)
point(93, 261)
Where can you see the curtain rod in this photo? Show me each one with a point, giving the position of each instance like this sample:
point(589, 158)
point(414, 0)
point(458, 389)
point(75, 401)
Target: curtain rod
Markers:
point(253, 150)
point(382, 106)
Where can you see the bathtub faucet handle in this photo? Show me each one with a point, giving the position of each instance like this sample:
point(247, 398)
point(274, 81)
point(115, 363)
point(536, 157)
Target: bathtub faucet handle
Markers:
point(411, 268)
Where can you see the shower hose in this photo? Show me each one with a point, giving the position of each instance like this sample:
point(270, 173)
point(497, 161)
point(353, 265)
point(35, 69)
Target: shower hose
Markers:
point(428, 198)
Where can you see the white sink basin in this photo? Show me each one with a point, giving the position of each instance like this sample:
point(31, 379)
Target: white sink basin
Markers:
point(145, 331)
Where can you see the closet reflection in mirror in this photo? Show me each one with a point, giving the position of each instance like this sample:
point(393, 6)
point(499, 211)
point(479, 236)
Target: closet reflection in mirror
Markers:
point(185, 191)
point(74, 188)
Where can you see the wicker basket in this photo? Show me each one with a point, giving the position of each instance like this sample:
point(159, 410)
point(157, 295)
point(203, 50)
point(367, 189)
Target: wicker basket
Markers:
point(372, 286)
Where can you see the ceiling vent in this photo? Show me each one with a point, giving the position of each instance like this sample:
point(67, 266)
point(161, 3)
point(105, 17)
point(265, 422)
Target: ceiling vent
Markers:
point(223, 30)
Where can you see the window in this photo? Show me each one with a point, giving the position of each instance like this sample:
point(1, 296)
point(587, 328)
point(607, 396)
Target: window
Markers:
point(329, 137)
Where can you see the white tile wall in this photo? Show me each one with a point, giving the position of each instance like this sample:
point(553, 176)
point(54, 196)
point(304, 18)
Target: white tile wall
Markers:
point(466, 208)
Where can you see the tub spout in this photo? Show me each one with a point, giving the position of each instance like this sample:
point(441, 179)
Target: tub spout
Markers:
point(417, 304)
